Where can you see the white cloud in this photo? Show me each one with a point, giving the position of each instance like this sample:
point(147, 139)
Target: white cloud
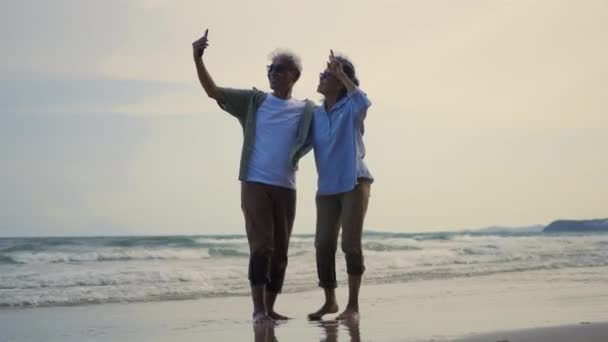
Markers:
point(33, 93)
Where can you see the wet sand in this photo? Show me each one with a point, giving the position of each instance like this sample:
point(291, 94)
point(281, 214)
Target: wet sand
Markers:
point(583, 332)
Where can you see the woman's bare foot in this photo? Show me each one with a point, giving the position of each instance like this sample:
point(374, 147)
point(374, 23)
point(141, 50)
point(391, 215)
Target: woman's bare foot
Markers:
point(349, 313)
point(327, 308)
point(277, 317)
point(261, 318)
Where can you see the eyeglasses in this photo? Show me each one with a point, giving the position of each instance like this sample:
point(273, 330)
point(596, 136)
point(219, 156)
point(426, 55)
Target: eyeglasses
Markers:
point(325, 74)
point(278, 68)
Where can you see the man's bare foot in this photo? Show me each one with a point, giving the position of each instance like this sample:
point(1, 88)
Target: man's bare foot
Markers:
point(261, 318)
point(349, 314)
point(277, 317)
point(327, 308)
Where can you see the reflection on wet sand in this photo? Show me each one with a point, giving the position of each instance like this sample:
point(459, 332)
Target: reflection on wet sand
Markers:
point(264, 332)
point(331, 330)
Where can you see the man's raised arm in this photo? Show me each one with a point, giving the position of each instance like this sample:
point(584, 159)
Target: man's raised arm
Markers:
point(198, 49)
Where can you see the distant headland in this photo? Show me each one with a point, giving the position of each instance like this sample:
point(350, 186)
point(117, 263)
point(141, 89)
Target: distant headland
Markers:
point(597, 225)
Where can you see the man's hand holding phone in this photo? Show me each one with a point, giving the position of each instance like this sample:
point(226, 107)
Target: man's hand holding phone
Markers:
point(199, 46)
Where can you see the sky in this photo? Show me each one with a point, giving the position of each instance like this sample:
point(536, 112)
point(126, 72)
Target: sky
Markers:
point(484, 112)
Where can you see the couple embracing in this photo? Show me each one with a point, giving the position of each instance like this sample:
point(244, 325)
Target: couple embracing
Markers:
point(279, 130)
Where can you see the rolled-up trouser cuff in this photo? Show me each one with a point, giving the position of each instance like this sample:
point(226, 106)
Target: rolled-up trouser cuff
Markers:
point(325, 285)
point(258, 269)
point(277, 274)
point(354, 263)
point(326, 265)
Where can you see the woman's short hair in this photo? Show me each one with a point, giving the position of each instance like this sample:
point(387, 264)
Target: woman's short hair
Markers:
point(349, 69)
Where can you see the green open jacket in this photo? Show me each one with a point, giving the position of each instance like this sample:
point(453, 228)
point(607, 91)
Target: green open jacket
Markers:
point(243, 104)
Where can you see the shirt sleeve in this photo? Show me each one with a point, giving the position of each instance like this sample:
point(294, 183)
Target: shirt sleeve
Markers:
point(308, 143)
point(236, 101)
point(358, 103)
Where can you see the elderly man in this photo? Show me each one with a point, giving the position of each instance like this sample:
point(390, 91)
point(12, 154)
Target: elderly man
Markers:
point(275, 128)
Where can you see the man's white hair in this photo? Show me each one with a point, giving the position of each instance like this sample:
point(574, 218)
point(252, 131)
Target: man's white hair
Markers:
point(287, 55)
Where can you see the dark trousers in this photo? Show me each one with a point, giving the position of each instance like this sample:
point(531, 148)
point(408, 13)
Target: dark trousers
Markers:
point(348, 211)
point(269, 214)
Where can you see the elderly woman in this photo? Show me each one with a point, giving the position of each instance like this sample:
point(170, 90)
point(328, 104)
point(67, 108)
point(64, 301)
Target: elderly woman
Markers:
point(344, 181)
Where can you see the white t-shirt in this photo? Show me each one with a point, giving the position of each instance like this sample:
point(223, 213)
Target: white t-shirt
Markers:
point(277, 122)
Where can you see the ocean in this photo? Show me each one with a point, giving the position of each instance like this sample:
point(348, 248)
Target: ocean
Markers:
point(68, 271)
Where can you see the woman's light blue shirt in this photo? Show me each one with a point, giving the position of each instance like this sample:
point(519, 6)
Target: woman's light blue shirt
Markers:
point(337, 139)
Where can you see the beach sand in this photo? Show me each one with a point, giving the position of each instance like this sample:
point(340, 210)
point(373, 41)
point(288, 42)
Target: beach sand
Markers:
point(437, 310)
